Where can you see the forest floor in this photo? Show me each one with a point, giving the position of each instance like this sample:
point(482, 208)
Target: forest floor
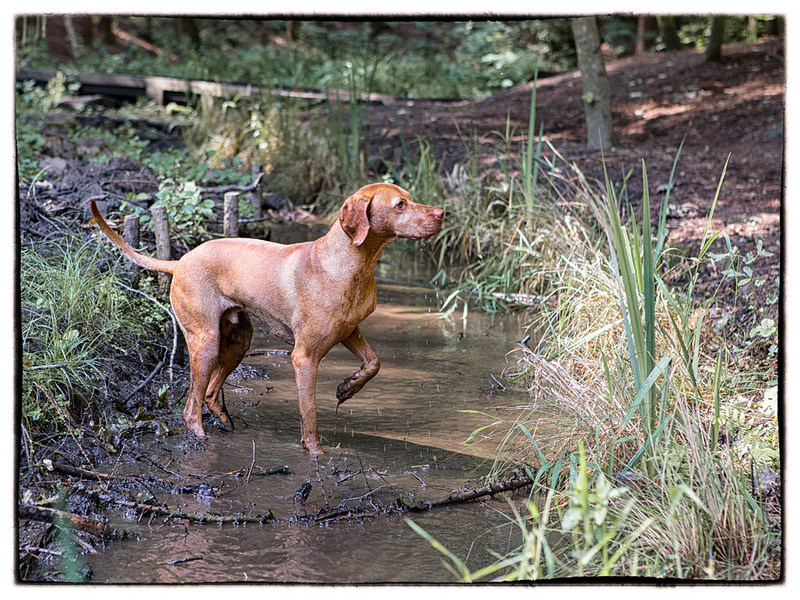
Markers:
point(734, 108)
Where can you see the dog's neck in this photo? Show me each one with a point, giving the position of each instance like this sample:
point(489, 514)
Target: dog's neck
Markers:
point(357, 261)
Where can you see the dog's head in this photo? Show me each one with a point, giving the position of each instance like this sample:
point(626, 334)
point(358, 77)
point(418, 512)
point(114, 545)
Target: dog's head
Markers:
point(387, 211)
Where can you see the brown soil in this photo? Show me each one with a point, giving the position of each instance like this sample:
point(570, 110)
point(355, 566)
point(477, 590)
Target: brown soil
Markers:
point(734, 107)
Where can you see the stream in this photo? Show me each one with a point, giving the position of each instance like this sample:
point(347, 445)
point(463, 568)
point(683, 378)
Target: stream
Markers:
point(403, 433)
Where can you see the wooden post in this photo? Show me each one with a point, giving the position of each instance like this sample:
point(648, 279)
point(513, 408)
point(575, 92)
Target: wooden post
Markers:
point(161, 229)
point(231, 212)
point(130, 234)
point(255, 200)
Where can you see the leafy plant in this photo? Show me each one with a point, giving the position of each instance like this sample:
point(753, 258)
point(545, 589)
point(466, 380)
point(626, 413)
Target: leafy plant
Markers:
point(593, 534)
point(187, 210)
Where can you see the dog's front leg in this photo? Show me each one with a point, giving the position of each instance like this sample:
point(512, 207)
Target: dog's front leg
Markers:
point(370, 365)
point(305, 372)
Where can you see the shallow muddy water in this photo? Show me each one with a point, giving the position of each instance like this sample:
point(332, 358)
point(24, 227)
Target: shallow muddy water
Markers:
point(402, 434)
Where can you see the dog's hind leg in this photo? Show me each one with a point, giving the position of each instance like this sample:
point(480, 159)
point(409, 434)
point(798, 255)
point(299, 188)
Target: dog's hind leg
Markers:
point(201, 329)
point(235, 334)
point(203, 349)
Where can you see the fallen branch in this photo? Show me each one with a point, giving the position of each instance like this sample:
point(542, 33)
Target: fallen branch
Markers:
point(274, 470)
point(150, 479)
point(192, 516)
point(252, 464)
point(133, 40)
point(62, 519)
point(406, 503)
point(402, 504)
point(490, 489)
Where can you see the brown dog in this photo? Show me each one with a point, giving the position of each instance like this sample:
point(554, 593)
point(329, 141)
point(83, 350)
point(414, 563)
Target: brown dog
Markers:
point(312, 295)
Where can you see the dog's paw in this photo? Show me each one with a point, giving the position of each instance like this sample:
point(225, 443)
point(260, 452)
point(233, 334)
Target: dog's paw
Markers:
point(196, 429)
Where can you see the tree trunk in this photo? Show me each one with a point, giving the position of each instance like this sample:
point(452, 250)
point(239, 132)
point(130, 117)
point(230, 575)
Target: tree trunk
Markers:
point(105, 29)
point(594, 79)
point(72, 37)
point(668, 26)
point(641, 28)
point(714, 49)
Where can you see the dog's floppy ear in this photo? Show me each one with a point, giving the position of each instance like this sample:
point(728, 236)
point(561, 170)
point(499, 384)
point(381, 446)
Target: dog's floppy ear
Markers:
point(354, 219)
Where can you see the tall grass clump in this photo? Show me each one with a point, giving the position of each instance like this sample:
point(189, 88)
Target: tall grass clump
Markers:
point(500, 226)
point(77, 327)
point(629, 390)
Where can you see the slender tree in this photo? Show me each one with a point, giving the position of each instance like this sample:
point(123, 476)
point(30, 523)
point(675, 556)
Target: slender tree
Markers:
point(668, 25)
point(594, 80)
point(714, 49)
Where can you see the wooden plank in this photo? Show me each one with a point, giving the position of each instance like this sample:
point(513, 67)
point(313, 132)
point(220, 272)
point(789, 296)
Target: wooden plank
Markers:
point(163, 89)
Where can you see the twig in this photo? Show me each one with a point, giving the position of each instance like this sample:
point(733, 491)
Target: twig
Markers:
point(171, 316)
point(414, 475)
point(502, 387)
point(252, 464)
point(363, 471)
point(343, 479)
point(86, 474)
point(146, 381)
point(224, 189)
point(140, 456)
point(37, 367)
point(180, 561)
point(369, 493)
point(381, 476)
point(321, 485)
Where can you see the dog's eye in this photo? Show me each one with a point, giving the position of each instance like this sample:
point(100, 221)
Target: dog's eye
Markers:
point(400, 204)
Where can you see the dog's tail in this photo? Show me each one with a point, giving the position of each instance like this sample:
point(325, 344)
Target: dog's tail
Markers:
point(147, 262)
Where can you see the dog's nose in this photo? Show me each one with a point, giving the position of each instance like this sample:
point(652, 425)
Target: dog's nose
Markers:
point(438, 213)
